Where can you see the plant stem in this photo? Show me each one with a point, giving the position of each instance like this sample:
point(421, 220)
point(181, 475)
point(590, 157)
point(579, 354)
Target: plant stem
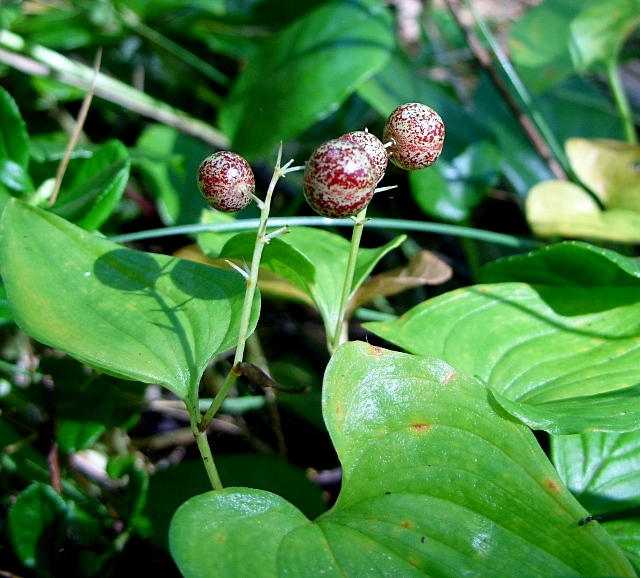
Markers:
point(622, 102)
point(203, 445)
point(336, 339)
point(377, 223)
point(262, 239)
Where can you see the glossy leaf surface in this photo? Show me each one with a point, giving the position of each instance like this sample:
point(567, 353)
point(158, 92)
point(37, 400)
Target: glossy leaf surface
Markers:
point(561, 354)
point(601, 469)
point(430, 468)
point(142, 316)
point(305, 73)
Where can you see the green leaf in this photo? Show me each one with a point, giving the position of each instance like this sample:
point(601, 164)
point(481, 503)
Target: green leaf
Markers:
point(450, 191)
point(168, 161)
point(566, 264)
point(33, 517)
point(96, 187)
point(626, 533)
point(171, 487)
point(14, 140)
point(561, 356)
point(315, 261)
point(539, 42)
point(137, 315)
point(306, 73)
point(438, 481)
point(49, 532)
point(600, 469)
point(600, 29)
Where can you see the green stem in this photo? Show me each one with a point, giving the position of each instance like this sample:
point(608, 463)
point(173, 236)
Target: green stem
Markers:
point(262, 238)
point(377, 223)
point(204, 447)
point(336, 339)
point(622, 102)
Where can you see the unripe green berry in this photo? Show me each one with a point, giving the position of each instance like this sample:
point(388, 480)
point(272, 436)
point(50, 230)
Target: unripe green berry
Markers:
point(226, 181)
point(374, 147)
point(416, 134)
point(339, 179)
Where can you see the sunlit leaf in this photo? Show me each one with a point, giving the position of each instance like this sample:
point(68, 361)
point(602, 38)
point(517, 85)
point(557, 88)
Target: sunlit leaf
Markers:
point(611, 169)
point(315, 261)
point(600, 469)
point(430, 467)
point(132, 314)
point(564, 357)
point(561, 208)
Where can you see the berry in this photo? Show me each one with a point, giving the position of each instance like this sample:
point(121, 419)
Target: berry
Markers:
point(374, 147)
point(226, 181)
point(416, 134)
point(339, 179)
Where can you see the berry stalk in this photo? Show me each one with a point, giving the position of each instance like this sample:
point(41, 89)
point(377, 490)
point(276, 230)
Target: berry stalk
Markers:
point(339, 335)
point(262, 239)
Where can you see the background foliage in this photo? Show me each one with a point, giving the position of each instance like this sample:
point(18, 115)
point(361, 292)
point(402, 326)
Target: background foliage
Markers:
point(94, 462)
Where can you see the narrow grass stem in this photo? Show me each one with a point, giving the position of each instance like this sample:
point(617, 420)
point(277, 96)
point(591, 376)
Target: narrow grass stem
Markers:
point(337, 338)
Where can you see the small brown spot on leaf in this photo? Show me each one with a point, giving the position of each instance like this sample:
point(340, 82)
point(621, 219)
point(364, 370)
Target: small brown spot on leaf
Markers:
point(406, 524)
point(447, 378)
point(552, 486)
point(221, 538)
point(376, 352)
point(420, 427)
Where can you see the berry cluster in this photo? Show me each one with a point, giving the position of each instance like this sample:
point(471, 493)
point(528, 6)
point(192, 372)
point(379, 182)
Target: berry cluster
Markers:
point(341, 175)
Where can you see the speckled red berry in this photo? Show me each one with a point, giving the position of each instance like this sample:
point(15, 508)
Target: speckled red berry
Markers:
point(416, 134)
point(339, 179)
point(226, 181)
point(374, 147)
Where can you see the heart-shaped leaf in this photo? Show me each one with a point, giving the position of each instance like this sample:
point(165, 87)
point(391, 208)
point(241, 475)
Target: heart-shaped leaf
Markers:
point(438, 481)
point(315, 261)
point(600, 469)
point(305, 73)
point(142, 316)
point(563, 358)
